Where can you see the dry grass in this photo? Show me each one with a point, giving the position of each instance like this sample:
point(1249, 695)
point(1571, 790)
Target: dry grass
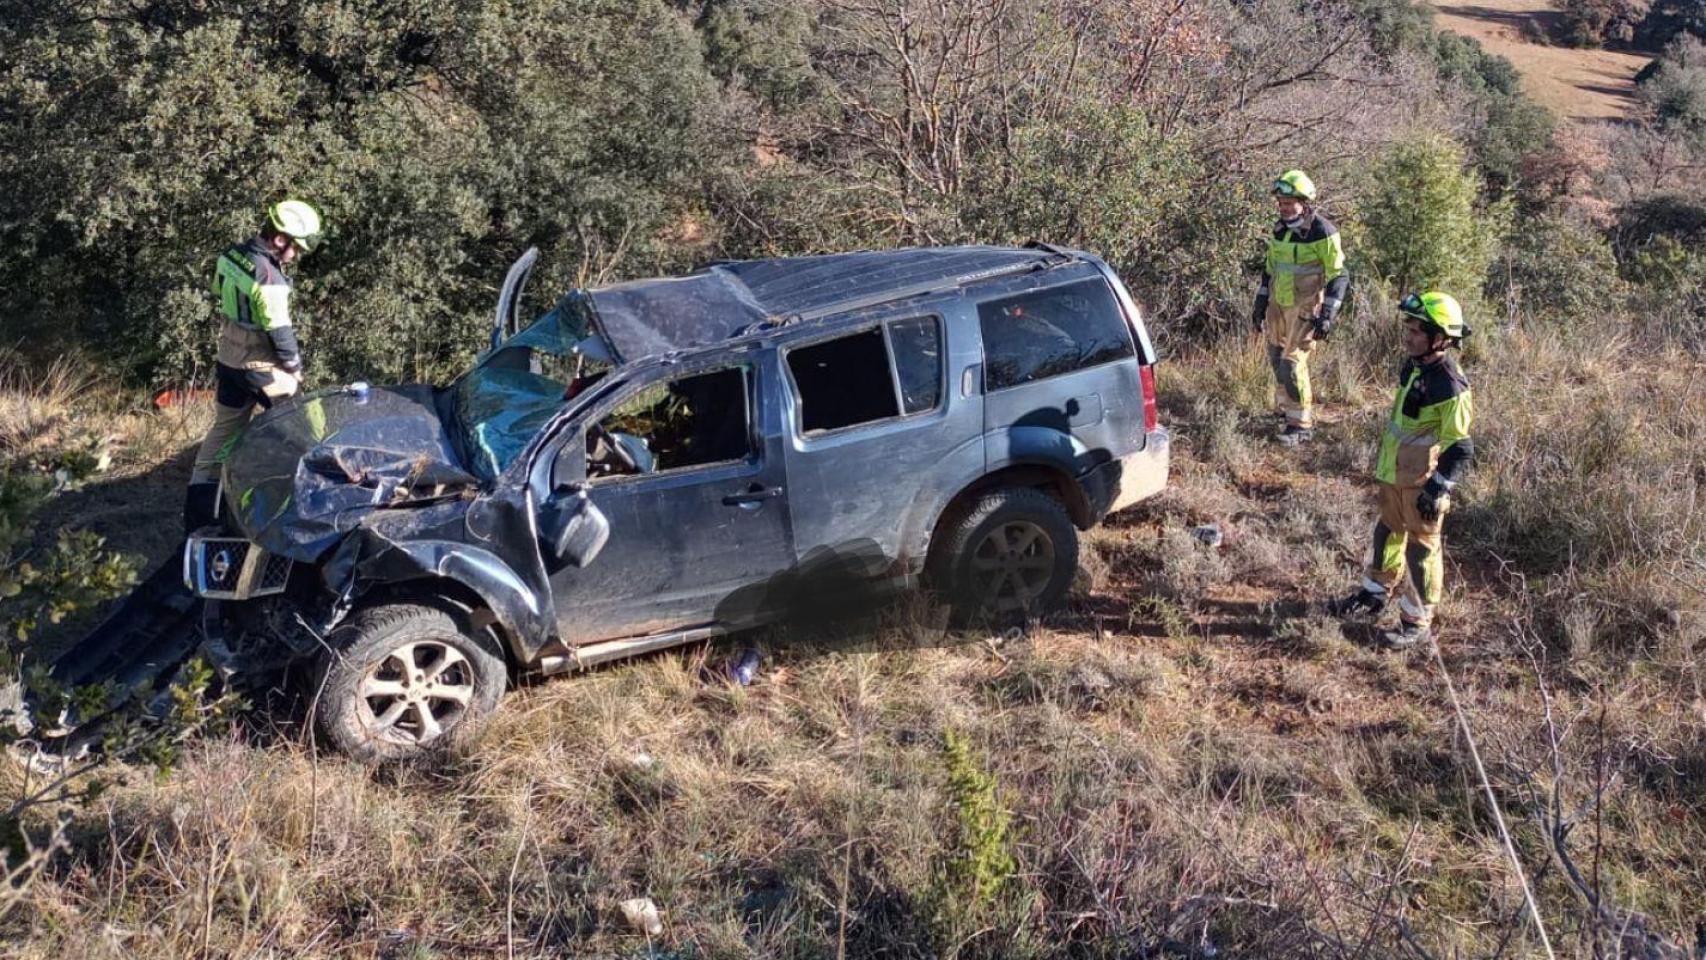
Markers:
point(1193, 757)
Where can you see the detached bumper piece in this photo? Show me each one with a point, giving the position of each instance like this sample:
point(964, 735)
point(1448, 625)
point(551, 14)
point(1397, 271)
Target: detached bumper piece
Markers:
point(231, 568)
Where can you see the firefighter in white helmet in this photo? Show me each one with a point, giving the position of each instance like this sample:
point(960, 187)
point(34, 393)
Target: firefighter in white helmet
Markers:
point(259, 361)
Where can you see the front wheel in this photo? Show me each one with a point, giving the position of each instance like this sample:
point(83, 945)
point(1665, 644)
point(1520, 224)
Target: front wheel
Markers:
point(1012, 554)
point(402, 679)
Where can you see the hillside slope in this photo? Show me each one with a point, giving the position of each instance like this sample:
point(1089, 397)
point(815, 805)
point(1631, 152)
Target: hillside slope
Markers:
point(1581, 85)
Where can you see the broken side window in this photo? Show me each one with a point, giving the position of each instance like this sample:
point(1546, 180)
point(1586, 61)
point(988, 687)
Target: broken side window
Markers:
point(692, 421)
point(844, 382)
point(1051, 332)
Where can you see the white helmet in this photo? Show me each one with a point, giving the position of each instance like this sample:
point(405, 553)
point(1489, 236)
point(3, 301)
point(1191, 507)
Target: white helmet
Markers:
point(296, 220)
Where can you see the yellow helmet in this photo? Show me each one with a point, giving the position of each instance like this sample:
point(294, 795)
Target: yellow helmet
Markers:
point(1295, 184)
point(296, 220)
point(1436, 311)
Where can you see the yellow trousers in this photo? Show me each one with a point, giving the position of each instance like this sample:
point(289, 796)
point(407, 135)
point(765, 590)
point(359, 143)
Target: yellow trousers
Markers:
point(1404, 542)
point(1291, 334)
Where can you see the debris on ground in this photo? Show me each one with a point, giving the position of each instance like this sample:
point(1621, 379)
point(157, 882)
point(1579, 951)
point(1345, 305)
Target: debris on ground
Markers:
point(642, 914)
point(744, 670)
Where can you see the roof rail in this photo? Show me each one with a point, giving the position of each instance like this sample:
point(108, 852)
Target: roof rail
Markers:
point(1053, 256)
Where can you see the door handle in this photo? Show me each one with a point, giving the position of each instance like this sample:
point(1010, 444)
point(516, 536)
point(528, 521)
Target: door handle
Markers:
point(753, 496)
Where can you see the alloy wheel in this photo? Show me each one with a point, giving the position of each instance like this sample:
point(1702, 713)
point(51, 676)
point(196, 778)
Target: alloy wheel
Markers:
point(1012, 566)
point(415, 693)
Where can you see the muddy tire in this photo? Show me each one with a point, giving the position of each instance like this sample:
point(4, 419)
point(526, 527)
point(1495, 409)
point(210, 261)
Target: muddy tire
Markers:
point(1011, 554)
point(402, 680)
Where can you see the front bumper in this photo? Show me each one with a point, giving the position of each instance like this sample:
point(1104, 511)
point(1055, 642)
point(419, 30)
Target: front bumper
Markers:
point(1136, 477)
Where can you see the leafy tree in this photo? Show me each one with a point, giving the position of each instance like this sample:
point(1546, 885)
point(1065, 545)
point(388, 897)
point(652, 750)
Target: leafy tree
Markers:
point(1422, 226)
point(1668, 18)
point(439, 139)
point(1590, 23)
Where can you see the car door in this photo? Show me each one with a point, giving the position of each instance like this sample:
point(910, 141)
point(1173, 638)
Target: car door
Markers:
point(878, 423)
point(695, 536)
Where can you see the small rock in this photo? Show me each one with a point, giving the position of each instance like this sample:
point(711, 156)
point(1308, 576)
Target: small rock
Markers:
point(1208, 534)
point(642, 914)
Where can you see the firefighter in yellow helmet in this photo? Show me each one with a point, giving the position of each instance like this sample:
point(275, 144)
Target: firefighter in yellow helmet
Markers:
point(1424, 452)
point(1303, 286)
point(259, 361)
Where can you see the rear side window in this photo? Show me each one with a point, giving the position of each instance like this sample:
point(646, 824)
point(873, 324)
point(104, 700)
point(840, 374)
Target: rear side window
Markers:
point(1050, 332)
point(872, 375)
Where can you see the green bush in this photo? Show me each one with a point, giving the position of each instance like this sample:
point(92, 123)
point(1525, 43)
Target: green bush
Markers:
point(1590, 23)
point(1511, 126)
point(1555, 268)
point(980, 860)
point(1423, 226)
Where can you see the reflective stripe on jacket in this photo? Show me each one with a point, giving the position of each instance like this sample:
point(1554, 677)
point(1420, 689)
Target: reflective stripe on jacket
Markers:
point(1428, 433)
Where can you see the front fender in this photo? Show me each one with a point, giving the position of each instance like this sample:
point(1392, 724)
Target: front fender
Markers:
point(363, 563)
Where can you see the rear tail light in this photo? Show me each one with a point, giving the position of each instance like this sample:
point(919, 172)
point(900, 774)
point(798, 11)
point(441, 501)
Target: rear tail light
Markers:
point(1150, 418)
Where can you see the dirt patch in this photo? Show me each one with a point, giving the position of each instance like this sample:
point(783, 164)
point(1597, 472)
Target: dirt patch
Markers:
point(1581, 85)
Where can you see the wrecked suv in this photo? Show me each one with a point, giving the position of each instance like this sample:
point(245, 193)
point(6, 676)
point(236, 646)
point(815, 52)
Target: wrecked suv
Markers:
point(661, 461)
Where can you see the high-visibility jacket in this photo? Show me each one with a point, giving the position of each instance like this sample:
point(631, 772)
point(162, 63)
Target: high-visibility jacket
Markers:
point(1427, 437)
point(254, 300)
point(1312, 249)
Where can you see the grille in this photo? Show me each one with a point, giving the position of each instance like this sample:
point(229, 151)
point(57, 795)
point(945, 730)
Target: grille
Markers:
point(274, 575)
point(231, 568)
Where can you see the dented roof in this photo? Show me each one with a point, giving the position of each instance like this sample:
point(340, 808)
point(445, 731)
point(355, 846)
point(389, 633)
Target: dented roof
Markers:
point(647, 317)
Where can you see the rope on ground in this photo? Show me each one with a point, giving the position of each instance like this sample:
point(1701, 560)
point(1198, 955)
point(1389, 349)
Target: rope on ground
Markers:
point(1492, 802)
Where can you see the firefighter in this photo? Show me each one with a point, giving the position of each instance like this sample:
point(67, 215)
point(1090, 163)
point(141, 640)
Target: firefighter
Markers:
point(1303, 285)
point(259, 361)
point(1424, 452)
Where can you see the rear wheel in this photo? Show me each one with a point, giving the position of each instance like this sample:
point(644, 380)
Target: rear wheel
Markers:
point(402, 679)
point(1012, 554)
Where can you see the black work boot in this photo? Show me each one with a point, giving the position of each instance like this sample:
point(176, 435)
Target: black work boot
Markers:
point(201, 505)
point(1364, 601)
point(1295, 435)
point(1405, 636)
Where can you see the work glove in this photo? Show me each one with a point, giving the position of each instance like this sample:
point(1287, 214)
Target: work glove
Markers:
point(1258, 313)
point(1433, 501)
point(1323, 325)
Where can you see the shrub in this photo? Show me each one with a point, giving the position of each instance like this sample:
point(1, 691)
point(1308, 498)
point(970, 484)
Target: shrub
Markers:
point(1510, 125)
point(1674, 87)
point(1669, 18)
point(981, 859)
point(1555, 268)
point(1590, 23)
point(1422, 227)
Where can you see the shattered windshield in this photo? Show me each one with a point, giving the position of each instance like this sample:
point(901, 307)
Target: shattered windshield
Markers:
point(515, 388)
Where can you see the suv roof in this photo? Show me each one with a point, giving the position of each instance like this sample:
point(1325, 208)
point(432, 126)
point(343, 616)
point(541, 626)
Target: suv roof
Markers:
point(644, 318)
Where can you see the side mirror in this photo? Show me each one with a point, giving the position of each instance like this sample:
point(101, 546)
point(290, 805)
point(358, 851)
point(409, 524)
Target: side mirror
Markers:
point(583, 533)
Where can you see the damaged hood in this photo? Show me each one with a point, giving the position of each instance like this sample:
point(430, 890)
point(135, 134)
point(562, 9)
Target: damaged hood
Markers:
point(306, 472)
